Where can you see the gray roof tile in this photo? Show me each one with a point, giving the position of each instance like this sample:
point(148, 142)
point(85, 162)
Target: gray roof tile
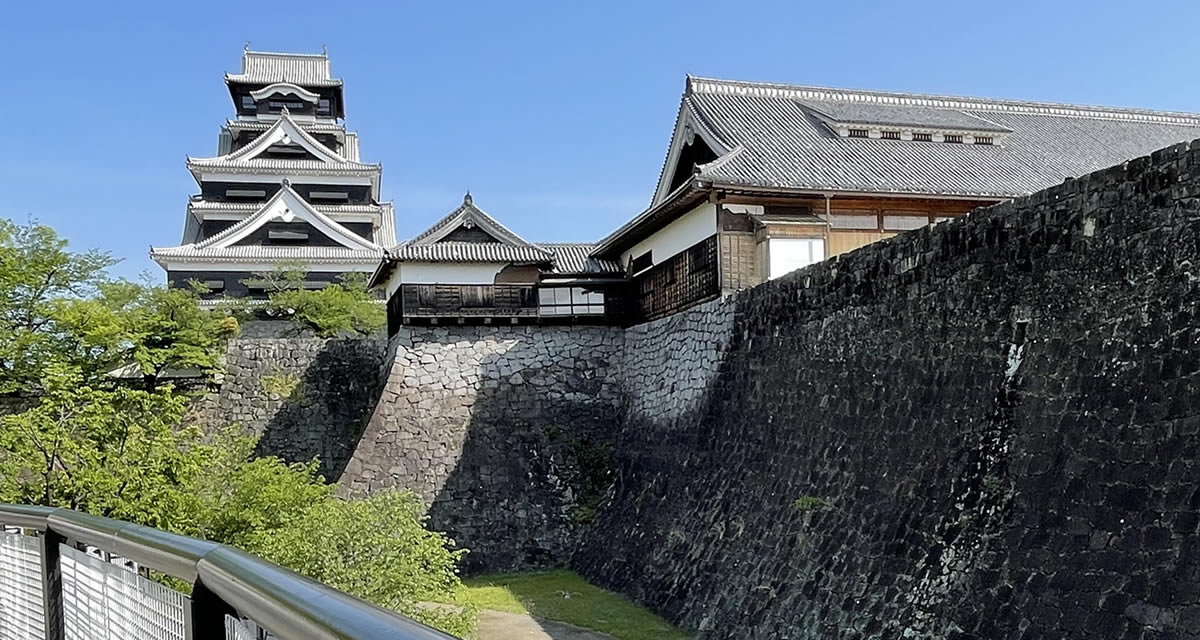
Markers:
point(900, 116)
point(468, 252)
point(305, 70)
point(775, 142)
point(570, 258)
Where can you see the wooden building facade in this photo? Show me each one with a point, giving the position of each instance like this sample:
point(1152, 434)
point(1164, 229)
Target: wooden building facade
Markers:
point(470, 269)
point(763, 179)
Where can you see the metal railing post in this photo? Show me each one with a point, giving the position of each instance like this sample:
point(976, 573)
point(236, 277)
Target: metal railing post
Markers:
point(208, 614)
point(52, 598)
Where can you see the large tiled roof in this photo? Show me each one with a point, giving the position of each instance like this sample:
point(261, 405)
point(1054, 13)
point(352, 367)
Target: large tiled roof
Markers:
point(316, 126)
point(282, 164)
point(287, 130)
point(775, 135)
point(467, 252)
point(285, 205)
point(305, 70)
point(261, 253)
point(572, 258)
point(250, 207)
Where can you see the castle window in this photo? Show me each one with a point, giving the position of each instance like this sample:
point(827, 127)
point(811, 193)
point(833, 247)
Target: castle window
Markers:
point(788, 254)
point(953, 138)
point(923, 137)
point(641, 263)
point(323, 107)
point(889, 135)
point(245, 193)
point(288, 149)
point(570, 301)
point(858, 133)
point(329, 195)
point(284, 236)
point(248, 104)
point(984, 140)
point(279, 105)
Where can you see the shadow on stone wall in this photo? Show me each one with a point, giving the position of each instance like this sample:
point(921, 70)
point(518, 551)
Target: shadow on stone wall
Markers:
point(983, 429)
point(505, 431)
point(325, 407)
point(535, 460)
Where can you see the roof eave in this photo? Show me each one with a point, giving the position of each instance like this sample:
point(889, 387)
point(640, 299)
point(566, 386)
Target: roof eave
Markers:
point(636, 229)
point(727, 186)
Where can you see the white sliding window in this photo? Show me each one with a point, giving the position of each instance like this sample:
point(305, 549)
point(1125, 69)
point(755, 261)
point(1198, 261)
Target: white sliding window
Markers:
point(788, 254)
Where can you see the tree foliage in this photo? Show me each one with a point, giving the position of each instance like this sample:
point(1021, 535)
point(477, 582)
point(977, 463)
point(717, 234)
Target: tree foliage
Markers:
point(345, 307)
point(37, 272)
point(377, 549)
point(119, 447)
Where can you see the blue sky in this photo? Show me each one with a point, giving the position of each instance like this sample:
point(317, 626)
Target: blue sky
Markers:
point(555, 115)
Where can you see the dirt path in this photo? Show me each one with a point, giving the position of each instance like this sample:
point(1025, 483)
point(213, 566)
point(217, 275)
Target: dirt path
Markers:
point(496, 625)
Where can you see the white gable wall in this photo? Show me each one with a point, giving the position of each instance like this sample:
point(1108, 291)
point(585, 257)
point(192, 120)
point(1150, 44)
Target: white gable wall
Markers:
point(685, 231)
point(443, 273)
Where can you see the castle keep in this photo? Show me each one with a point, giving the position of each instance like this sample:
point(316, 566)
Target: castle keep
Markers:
point(286, 186)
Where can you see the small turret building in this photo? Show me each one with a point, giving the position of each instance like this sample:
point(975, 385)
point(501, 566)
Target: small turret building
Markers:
point(287, 186)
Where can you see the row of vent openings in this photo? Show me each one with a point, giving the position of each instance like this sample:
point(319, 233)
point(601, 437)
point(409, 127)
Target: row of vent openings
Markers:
point(919, 137)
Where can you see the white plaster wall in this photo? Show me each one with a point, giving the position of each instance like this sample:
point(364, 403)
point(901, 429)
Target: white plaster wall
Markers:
point(443, 273)
point(685, 231)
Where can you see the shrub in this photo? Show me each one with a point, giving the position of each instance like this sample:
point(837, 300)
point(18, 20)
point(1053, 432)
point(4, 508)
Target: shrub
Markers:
point(377, 549)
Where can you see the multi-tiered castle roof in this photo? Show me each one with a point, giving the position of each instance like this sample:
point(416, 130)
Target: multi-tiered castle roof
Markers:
point(287, 185)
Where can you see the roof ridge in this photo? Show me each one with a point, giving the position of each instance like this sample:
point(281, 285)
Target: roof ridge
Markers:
point(285, 54)
point(703, 85)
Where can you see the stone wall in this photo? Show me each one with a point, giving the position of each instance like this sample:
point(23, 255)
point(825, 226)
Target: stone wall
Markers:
point(505, 431)
point(985, 429)
point(306, 396)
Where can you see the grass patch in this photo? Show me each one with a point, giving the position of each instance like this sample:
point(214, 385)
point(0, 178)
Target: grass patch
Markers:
point(563, 596)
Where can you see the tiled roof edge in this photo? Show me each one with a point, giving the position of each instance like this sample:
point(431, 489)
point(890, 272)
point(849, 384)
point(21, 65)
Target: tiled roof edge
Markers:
point(803, 92)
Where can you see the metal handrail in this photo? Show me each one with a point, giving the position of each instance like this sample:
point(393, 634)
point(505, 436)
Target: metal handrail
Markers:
point(287, 604)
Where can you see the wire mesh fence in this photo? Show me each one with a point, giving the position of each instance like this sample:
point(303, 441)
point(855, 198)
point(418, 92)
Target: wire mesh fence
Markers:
point(22, 614)
point(106, 601)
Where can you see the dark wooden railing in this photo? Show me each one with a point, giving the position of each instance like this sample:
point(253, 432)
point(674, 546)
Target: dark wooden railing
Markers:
point(441, 300)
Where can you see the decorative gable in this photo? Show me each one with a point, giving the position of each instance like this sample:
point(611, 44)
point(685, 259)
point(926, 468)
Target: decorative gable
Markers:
point(286, 137)
point(471, 224)
point(693, 143)
point(287, 206)
point(285, 89)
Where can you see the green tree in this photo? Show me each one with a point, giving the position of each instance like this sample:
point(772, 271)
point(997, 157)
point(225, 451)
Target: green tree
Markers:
point(113, 452)
point(153, 329)
point(37, 271)
point(378, 549)
point(94, 442)
point(345, 307)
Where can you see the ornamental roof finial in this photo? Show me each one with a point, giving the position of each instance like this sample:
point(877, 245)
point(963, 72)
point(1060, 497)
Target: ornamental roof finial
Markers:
point(467, 198)
point(285, 183)
point(325, 51)
point(246, 47)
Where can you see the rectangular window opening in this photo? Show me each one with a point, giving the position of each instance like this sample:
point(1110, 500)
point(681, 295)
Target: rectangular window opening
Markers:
point(858, 133)
point(952, 138)
point(245, 193)
point(788, 254)
point(923, 137)
point(641, 263)
point(890, 135)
